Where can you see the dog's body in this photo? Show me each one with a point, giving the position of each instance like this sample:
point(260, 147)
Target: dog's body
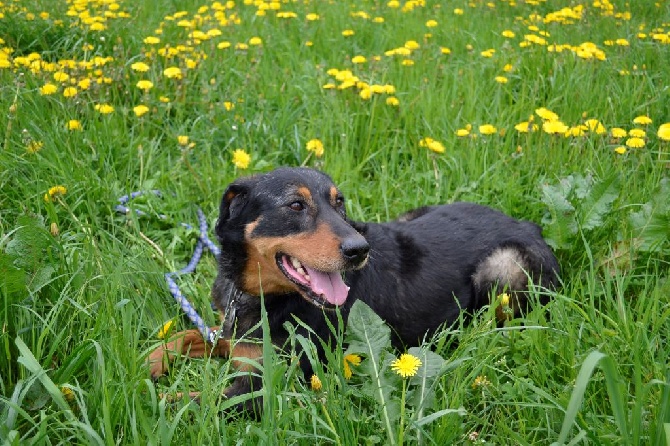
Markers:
point(285, 235)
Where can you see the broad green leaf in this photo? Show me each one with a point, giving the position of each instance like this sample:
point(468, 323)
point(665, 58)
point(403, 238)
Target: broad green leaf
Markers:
point(651, 224)
point(562, 225)
point(598, 202)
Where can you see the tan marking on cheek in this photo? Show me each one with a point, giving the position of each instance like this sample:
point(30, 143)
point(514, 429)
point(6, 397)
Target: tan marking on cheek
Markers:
point(261, 272)
point(319, 249)
point(250, 228)
point(246, 350)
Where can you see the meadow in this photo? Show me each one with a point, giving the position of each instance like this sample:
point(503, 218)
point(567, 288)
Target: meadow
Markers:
point(556, 112)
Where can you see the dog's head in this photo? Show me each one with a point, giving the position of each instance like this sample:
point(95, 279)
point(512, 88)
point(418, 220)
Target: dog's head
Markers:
point(286, 231)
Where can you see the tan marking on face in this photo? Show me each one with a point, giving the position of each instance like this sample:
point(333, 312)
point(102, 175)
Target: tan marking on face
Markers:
point(251, 227)
point(306, 194)
point(246, 350)
point(333, 195)
point(319, 249)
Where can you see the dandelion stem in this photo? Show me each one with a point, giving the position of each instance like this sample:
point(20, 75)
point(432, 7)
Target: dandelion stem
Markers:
point(401, 429)
point(330, 423)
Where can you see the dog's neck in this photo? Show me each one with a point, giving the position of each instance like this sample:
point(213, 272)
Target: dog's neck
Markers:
point(232, 300)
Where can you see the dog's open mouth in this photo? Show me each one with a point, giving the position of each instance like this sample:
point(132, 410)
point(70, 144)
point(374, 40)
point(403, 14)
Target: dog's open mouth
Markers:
point(323, 289)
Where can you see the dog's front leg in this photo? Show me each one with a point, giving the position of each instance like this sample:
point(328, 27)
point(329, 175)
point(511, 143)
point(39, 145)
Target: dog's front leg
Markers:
point(188, 342)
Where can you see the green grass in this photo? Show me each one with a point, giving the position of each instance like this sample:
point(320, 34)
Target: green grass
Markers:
point(82, 287)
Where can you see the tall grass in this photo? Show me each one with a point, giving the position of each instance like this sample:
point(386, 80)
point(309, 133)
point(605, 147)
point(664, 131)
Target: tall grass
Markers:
point(83, 295)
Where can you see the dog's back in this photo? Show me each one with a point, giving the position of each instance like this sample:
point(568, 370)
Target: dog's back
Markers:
point(432, 263)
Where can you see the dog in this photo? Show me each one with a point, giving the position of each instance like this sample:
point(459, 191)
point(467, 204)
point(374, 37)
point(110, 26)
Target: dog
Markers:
point(285, 236)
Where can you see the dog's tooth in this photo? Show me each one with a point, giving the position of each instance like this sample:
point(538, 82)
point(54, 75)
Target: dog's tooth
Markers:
point(301, 270)
point(296, 263)
point(307, 276)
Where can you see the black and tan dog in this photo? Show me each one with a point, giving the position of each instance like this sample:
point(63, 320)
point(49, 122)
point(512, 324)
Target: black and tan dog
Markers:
point(285, 235)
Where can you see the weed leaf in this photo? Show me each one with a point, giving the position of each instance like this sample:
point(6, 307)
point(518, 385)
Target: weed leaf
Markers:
point(597, 203)
point(651, 225)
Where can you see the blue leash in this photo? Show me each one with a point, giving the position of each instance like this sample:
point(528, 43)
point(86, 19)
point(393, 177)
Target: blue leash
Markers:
point(203, 243)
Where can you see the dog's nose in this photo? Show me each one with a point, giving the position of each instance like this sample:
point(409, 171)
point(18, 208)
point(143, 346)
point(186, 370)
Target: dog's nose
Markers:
point(355, 250)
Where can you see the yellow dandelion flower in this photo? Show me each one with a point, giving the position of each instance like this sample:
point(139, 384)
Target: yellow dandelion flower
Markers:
point(241, 46)
point(48, 89)
point(445, 50)
point(348, 32)
point(635, 142)
point(311, 17)
point(241, 159)
point(642, 120)
point(223, 45)
point(349, 360)
point(316, 146)
point(365, 93)
point(228, 105)
point(554, 127)
point(183, 140)
point(595, 126)
point(431, 23)
point(406, 366)
point(579, 130)
point(152, 40)
point(140, 110)
point(462, 132)
point(315, 383)
point(164, 99)
point(618, 132)
point(509, 34)
point(84, 84)
point(664, 131)
point(392, 101)
point(34, 146)
point(525, 127)
point(487, 129)
point(54, 192)
point(73, 124)
point(407, 62)
point(358, 59)
point(458, 11)
point(501, 79)
point(140, 66)
point(105, 109)
point(69, 92)
point(255, 41)
point(621, 150)
point(60, 76)
point(546, 114)
point(637, 133)
point(165, 329)
point(481, 381)
point(144, 85)
point(172, 73)
point(432, 145)
point(68, 394)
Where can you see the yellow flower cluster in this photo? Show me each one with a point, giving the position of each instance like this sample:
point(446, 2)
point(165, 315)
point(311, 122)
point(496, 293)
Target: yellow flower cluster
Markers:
point(366, 91)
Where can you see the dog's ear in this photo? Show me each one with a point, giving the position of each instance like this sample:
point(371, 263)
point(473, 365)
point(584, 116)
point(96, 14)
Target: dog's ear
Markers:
point(232, 202)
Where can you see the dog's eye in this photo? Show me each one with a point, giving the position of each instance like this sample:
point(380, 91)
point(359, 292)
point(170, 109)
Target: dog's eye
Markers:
point(296, 206)
point(339, 201)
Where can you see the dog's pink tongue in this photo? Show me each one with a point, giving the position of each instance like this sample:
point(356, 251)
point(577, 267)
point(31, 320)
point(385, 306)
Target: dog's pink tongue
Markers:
point(330, 285)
